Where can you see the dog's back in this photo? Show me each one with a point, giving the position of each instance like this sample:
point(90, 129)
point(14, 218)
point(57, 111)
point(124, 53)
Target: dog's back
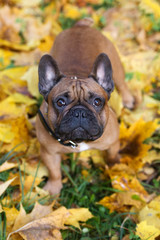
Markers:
point(76, 49)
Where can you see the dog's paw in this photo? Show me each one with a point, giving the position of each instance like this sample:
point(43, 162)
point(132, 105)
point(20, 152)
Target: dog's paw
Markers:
point(53, 187)
point(129, 102)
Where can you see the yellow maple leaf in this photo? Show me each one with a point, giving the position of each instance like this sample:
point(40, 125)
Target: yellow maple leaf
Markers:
point(13, 73)
point(150, 6)
point(47, 42)
point(20, 99)
point(132, 147)
point(28, 183)
point(76, 215)
point(146, 231)
point(6, 56)
point(116, 102)
point(71, 11)
point(19, 130)
point(94, 154)
point(145, 64)
point(147, 110)
point(31, 77)
point(123, 178)
point(155, 204)
point(149, 215)
point(5, 133)
point(30, 168)
point(19, 47)
point(11, 215)
point(151, 156)
point(123, 201)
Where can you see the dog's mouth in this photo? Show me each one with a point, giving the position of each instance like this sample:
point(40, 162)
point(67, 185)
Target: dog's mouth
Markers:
point(79, 135)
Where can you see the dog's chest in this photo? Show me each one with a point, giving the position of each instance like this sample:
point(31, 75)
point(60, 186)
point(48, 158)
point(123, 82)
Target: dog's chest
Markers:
point(83, 146)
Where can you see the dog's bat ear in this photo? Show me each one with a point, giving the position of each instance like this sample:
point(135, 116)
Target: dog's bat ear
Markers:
point(102, 73)
point(49, 75)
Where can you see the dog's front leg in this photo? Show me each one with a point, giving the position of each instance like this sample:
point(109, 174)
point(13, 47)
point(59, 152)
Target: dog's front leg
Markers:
point(52, 161)
point(113, 154)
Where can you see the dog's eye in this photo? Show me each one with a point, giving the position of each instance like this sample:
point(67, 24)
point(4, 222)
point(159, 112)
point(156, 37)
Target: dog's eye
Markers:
point(97, 102)
point(61, 102)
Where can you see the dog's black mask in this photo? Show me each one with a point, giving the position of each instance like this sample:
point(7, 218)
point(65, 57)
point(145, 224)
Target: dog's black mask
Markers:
point(78, 125)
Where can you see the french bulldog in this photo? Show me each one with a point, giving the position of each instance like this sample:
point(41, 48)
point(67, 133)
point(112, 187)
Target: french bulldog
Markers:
point(76, 81)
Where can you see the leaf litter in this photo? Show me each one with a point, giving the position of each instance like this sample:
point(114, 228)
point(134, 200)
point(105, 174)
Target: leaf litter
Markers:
point(28, 30)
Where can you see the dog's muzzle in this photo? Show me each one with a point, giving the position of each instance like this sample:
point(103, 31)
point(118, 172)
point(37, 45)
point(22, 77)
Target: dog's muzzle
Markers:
point(79, 124)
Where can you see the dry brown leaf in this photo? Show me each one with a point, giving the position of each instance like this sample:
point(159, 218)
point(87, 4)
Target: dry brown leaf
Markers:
point(123, 201)
point(7, 165)
point(5, 185)
point(43, 227)
point(38, 212)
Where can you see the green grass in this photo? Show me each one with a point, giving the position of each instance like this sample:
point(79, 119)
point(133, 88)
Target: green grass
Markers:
point(80, 191)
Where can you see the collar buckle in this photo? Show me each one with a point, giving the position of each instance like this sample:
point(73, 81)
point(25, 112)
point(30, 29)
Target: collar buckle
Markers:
point(73, 144)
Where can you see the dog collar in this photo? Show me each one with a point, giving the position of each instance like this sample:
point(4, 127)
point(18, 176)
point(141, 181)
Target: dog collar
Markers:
point(49, 130)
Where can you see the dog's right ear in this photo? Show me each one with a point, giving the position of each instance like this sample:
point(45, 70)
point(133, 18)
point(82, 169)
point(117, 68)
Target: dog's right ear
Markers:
point(49, 75)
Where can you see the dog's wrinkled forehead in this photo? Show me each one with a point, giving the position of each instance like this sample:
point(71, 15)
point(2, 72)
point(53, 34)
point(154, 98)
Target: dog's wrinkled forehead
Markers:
point(77, 88)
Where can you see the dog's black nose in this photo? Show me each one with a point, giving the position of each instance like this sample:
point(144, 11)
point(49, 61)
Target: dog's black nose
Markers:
point(80, 113)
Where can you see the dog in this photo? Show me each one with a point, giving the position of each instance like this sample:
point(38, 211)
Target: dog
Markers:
point(76, 81)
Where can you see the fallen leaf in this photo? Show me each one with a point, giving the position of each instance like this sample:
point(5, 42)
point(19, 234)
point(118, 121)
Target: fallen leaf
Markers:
point(71, 11)
point(1, 209)
point(150, 6)
point(19, 47)
point(132, 139)
point(19, 130)
point(5, 185)
point(76, 215)
point(149, 215)
point(151, 156)
point(28, 183)
point(11, 215)
point(30, 4)
point(146, 231)
point(42, 228)
point(39, 211)
point(124, 178)
point(7, 165)
point(116, 103)
point(123, 201)
point(155, 204)
point(31, 76)
point(94, 154)
point(31, 168)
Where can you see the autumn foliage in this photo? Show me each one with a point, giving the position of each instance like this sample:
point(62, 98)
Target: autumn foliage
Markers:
point(28, 30)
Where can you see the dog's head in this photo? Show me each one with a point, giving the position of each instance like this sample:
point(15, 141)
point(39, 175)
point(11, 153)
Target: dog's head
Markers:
point(77, 107)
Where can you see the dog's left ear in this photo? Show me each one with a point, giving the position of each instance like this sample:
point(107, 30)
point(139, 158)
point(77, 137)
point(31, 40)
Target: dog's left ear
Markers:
point(102, 73)
point(49, 75)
